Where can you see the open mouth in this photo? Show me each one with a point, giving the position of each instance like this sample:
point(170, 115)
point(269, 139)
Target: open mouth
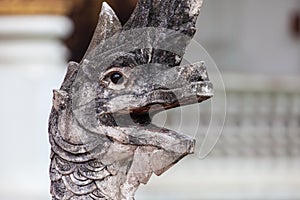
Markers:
point(133, 119)
point(139, 119)
point(160, 100)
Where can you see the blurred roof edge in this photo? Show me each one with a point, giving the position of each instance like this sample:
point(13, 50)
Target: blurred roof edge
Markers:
point(38, 7)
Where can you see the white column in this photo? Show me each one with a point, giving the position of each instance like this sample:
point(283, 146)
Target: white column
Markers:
point(32, 63)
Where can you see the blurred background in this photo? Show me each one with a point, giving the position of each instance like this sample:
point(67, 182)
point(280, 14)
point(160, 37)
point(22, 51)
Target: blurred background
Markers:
point(256, 46)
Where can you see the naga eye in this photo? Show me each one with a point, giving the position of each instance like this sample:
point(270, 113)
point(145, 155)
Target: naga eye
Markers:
point(117, 78)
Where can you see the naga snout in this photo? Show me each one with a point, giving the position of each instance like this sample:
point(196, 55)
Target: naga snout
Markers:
point(177, 86)
point(161, 88)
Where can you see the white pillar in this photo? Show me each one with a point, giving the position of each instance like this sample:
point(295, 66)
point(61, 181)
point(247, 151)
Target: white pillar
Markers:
point(32, 63)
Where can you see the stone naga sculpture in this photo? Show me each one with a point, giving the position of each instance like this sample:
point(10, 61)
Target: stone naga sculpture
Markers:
point(103, 145)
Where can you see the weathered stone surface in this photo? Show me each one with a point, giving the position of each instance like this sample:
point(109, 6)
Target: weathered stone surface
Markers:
point(103, 143)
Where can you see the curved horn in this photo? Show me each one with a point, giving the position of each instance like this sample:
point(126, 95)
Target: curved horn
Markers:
point(108, 25)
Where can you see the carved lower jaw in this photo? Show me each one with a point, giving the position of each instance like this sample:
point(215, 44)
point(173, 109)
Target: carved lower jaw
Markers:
point(140, 129)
